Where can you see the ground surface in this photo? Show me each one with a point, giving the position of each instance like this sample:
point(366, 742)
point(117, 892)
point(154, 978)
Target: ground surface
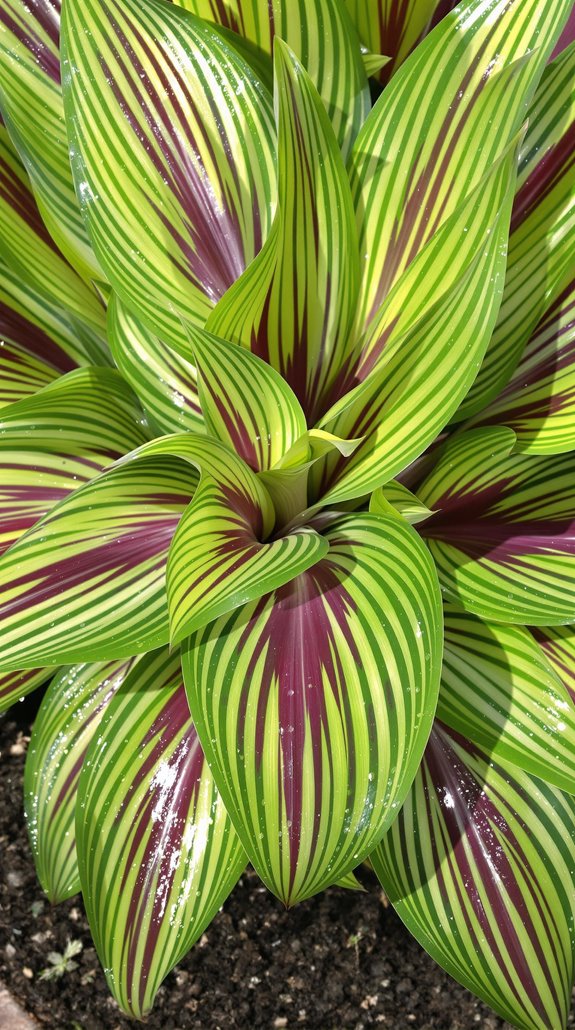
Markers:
point(341, 961)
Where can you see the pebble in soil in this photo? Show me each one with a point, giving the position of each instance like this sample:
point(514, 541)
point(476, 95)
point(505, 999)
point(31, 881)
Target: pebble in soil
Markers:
point(340, 961)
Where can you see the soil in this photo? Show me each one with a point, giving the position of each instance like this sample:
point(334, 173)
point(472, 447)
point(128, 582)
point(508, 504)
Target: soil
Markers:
point(341, 961)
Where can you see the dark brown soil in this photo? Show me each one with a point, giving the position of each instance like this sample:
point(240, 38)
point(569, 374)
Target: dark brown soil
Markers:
point(341, 961)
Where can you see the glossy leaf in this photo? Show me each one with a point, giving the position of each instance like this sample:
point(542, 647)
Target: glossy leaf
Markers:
point(314, 704)
point(391, 27)
point(323, 38)
point(15, 685)
point(558, 646)
point(53, 442)
point(479, 865)
point(67, 720)
point(542, 241)
point(87, 582)
point(295, 304)
point(245, 402)
point(503, 531)
point(176, 191)
point(164, 381)
point(439, 126)
point(396, 499)
point(497, 688)
point(157, 851)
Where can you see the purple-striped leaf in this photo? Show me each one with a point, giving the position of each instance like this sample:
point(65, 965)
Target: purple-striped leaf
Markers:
point(66, 722)
point(157, 851)
point(314, 703)
point(480, 866)
point(503, 532)
point(15, 685)
point(558, 646)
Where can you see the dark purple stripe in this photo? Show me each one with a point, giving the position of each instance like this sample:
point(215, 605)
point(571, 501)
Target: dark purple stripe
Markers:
point(566, 37)
point(15, 193)
point(47, 15)
point(554, 164)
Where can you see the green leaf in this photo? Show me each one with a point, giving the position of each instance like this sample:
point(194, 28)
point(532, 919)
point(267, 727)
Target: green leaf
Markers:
point(440, 125)
point(157, 851)
point(314, 704)
point(422, 374)
point(164, 381)
point(87, 582)
point(31, 104)
point(323, 38)
point(28, 249)
point(389, 27)
point(245, 402)
point(63, 436)
point(15, 685)
point(502, 533)
point(497, 688)
point(479, 865)
point(542, 241)
point(295, 304)
point(396, 499)
point(176, 191)
point(558, 646)
point(66, 722)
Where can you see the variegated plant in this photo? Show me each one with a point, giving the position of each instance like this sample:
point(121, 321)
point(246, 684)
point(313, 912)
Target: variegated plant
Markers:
point(279, 368)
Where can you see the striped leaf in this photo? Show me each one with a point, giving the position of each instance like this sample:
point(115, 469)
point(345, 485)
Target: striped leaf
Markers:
point(323, 38)
point(28, 249)
point(31, 104)
point(172, 154)
point(396, 499)
point(62, 437)
point(439, 126)
point(558, 646)
point(295, 305)
point(245, 402)
point(498, 689)
point(66, 722)
point(542, 241)
point(423, 373)
point(15, 685)
point(165, 382)
point(314, 704)
point(391, 27)
point(87, 582)
point(479, 865)
point(503, 532)
point(538, 403)
point(157, 851)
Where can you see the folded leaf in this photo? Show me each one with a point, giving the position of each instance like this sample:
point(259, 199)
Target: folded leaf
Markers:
point(245, 402)
point(439, 126)
point(396, 499)
point(157, 851)
point(58, 439)
point(66, 722)
point(295, 305)
point(498, 689)
point(15, 685)
point(28, 249)
point(503, 532)
point(479, 865)
point(164, 381)
point(87, 582)
point(31, 104)
point(182, 201)
point(323, 38)
point(542, 241)
point(314, 704)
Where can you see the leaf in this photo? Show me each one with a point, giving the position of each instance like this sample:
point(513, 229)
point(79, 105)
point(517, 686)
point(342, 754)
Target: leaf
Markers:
point(15, 685)
point(294, 307)
point(27, 248)
point(542, 241)
point(440, 125)
point(479, 866)
point(157, 851)
point(31, 103)
point(87, 582)
point(350, 882)
point(396, 499)
point(558, 646)
point(313, 704)
point(424, 372)
point(323, 38)
point(164, 381)
point(67, 720)
point(245, 402)
point(502, 533)
point(58, 439)
point(182, 201)
point(389, 27)
point(497, 688)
